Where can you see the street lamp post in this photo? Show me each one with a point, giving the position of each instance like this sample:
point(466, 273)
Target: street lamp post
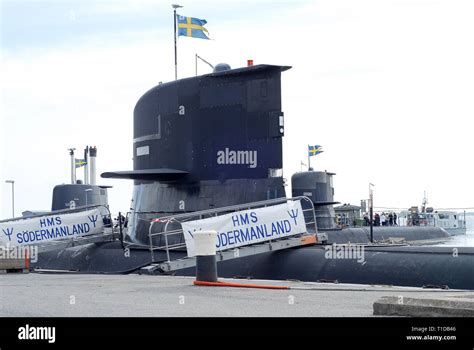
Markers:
point(13, 195)
point(86, 191)
point(371, 208)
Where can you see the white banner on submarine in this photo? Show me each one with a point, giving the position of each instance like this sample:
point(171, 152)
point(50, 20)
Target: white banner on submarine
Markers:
point(249, 226)
point(52, 227)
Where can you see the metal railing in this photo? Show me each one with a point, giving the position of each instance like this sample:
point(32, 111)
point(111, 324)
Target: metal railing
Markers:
point(310, 221)
point(435, 223)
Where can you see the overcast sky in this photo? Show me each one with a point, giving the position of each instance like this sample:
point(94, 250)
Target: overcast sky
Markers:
point(386, 87)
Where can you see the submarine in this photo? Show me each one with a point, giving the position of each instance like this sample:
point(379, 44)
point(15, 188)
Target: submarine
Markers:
point(215, 141)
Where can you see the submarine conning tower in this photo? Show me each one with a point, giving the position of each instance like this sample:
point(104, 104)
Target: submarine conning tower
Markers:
point(317, 186)
point(206, 142)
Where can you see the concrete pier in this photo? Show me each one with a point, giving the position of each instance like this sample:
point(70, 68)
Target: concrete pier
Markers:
point(433, 306)
point(35, 295)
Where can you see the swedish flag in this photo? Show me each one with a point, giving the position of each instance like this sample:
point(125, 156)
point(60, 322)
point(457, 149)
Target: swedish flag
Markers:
point(313, 150)
point(192, 27)
point(80, 162)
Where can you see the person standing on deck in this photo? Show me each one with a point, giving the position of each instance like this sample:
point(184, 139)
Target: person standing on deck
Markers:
point(376, 219)
point(366, 220)
point(383, 220)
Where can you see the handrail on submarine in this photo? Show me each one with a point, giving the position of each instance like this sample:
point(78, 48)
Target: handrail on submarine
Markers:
point(215, 212)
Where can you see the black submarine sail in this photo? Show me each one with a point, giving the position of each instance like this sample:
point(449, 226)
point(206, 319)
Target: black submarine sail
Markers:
point(206, 142)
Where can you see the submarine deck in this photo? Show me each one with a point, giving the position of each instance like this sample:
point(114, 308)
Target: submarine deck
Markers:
point(68, 295)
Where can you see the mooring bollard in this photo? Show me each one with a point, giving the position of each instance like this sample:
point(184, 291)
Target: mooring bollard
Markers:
point(206, 264)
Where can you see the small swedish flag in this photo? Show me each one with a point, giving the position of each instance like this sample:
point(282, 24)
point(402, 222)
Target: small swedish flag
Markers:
point(192, 27)
point(80, 162)
point(313, 150)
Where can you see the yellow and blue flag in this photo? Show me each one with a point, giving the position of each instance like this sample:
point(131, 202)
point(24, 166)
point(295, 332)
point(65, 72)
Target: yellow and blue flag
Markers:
point(192, 27)
point(80, 162)
point(313, 150)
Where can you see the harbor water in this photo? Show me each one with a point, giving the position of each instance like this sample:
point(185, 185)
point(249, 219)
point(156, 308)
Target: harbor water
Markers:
point(466, 240)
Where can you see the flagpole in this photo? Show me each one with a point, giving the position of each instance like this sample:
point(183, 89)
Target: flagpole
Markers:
point(175, 43)
point(309, 160)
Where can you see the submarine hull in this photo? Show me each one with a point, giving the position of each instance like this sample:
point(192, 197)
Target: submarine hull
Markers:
point(396, 265)
point(408, 234)
point(402, 266)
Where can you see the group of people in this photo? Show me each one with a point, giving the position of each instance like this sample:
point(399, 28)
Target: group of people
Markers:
point(383, 219)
